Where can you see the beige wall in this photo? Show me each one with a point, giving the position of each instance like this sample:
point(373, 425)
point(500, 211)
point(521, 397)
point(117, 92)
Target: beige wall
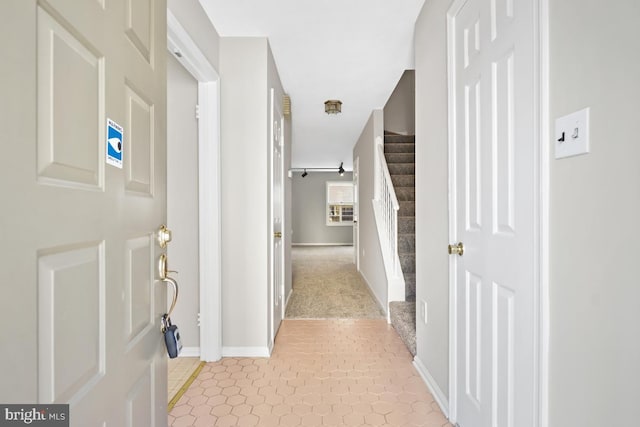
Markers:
point(371, 261)
point(399, 111)
point(247, 73)
point(432, 214)
point(310, 210)
point(594, 212)
point(244, 148)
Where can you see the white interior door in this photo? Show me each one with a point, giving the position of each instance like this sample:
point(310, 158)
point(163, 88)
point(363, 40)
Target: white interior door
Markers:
point(277, 211)
point(79, 247)
point(492, 74)
point(356, 212)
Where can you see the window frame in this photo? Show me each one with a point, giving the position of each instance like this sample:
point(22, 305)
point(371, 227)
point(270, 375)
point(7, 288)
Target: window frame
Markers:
point(328, 205)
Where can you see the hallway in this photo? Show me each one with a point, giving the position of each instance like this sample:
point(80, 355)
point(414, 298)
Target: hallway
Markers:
point(336, 372)
point(326, 285)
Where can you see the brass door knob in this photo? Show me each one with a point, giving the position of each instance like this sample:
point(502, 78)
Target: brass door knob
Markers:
point(277, 234)
point(456, 249)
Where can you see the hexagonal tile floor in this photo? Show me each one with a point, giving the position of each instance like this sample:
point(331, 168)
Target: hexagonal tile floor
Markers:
point(337, 372)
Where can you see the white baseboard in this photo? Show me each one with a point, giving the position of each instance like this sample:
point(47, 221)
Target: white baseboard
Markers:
point(190, 352)
point(246, 352)
point(322, 244)
point(433, 387)
point(384, 307)
point(286, 303)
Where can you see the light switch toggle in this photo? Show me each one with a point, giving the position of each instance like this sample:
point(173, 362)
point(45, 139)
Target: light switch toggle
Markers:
point(572, 134)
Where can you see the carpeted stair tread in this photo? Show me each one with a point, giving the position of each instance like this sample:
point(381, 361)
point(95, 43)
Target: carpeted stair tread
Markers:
point(400, 147)
point(406, 194)
point(408, 262)
point(403, 320)
point(402, 168)
point(403, 181)
point(400, 158)
point(410, 283)
point(391, 139)
point(406, 225)
point(407, 208)
point(406, 243)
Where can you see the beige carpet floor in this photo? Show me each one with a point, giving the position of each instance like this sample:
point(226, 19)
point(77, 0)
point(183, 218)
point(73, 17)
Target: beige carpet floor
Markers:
point(326, 285)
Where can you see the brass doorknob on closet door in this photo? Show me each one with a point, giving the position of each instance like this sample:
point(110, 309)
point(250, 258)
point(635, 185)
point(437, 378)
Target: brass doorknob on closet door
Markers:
point(456, 249)
point(277, 235)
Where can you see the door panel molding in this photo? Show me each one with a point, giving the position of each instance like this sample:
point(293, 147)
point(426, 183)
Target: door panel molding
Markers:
point(70, 366)
point(139, 28)
point(503, 219)
point(67, 63)
point(139, 141)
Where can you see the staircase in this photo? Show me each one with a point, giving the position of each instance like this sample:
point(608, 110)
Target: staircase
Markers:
point(399, 151)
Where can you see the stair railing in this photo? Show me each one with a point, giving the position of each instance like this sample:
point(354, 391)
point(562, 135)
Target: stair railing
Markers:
point(388, 207)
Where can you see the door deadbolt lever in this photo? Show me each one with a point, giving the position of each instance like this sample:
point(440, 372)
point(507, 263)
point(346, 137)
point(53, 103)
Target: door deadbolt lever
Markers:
point(164, 236)
point(456, 249)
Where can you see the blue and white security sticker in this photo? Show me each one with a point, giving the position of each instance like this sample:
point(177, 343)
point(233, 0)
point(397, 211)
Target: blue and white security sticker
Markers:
point(115, 143)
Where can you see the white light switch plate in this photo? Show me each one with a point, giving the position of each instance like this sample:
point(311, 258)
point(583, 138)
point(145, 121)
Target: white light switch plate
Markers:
point(572, 134)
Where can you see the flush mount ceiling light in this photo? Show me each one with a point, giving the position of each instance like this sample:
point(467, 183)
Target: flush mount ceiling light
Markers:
point(332, 106)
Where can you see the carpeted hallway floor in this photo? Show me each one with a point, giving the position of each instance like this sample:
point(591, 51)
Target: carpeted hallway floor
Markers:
point(326, 285)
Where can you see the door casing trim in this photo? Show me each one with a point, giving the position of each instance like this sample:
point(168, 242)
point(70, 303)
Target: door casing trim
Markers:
point(192, 58)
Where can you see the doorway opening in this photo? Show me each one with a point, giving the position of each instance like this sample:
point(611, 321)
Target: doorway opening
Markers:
point(194, 192)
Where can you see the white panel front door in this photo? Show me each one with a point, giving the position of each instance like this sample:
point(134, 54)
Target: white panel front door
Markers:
point(79, 251)
point(277, 210)
point(493, 200)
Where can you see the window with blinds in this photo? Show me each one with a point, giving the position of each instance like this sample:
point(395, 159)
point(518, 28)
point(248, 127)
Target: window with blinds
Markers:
point(339, 203)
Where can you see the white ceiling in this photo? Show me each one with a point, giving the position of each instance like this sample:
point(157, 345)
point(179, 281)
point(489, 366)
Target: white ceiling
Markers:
point(351, 50)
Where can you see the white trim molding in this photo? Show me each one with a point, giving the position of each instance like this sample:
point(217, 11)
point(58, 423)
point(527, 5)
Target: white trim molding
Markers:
point(190, 352)
point(385, 308)
point(180, 44)
point(210, 222)
point(322, 244)
point(286, 304)
point(246, 352)
point(432, 385)
point(543, 208)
